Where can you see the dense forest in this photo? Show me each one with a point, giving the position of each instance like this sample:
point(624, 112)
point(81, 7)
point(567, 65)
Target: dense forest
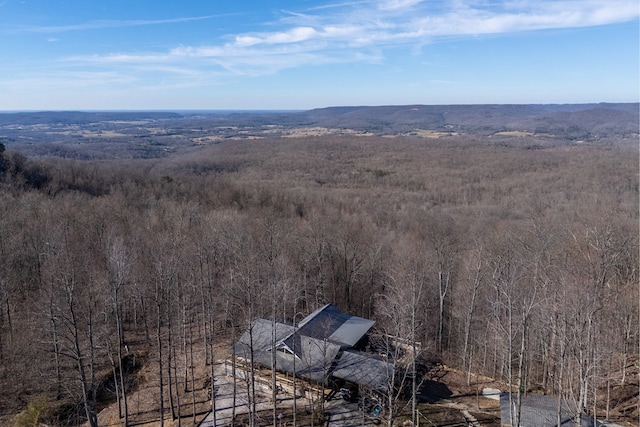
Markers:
point(504, 256)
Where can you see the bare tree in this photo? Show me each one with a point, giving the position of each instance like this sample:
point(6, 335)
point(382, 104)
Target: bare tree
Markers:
point(475, 270)
point(401, 324)
point(516, 296)
point(442, 254)
point(119, 262)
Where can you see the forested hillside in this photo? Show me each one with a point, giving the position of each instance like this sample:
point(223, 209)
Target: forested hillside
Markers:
point(125, 135)
point(519, 260)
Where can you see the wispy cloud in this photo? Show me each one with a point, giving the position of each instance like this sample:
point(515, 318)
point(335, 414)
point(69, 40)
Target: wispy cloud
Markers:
point(412, 21)
point(340, 5)
point(104, 24)
point(355, 31)
point(294, 35)
point(397, 4)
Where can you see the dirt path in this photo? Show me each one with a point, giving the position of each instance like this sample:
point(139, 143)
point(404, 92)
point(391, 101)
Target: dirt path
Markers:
point(343, 414)
point(225, 401)
point(470, 418)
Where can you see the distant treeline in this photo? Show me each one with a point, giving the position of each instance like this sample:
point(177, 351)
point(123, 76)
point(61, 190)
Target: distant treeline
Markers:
point(84, 135)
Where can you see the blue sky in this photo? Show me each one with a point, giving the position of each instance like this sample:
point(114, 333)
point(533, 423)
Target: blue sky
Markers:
point(273, 54)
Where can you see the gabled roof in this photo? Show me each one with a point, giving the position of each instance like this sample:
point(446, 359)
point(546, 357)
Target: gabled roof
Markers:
point(321, 345)
point(314, 362)
point(316, 358)
point(330, 324)
point(261, 335)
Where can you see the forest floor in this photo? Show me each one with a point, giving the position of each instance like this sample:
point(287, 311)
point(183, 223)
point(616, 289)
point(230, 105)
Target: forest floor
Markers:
point(449, 397)
point(446, 400)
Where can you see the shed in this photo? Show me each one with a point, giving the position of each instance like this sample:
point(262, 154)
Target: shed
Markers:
point(542, 411)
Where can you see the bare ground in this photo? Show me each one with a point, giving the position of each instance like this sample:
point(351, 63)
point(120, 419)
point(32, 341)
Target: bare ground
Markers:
point(449, 397)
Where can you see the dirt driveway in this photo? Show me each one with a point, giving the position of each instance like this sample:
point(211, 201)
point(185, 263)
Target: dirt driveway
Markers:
point(339, 412)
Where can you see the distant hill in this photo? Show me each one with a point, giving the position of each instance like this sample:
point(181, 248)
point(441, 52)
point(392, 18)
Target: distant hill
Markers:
point(570, 120)
point(564, 120)
point(139, 134)
point(79, 117)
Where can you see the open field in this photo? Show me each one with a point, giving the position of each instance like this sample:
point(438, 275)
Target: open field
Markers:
point(153, 135)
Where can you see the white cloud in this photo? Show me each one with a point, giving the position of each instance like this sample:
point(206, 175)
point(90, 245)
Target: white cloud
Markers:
point(359, 31)
point(397, 4)
point(293, 35)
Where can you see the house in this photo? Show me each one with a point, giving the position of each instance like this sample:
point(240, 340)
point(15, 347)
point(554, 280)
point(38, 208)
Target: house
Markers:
point(541, 411)
point(322, 348)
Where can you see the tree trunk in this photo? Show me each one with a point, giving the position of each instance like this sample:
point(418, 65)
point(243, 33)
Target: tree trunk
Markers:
point(89, 411)
point(170, 358)
point(192, 369)
point(160, 367)
point(123, 390)
point(56, 348)
point(274, 385)
point(115, 378)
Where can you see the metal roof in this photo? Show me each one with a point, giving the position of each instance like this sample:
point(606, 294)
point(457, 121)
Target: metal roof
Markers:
point(541, 411)
point(260, 334)
point(363, 369)
point(329, 323)
point(318, 343)
point(315, 357)
point(351, 331)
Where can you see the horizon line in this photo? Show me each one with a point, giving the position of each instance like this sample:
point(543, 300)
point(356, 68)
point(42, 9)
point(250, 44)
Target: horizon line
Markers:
point(293, 110)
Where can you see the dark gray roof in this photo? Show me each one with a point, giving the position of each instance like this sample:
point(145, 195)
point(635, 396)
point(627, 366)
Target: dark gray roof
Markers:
point(260, 334)
point(315, 357)
point(329, 323)
point(541, 411)
point(360, 368)
point(318, 343)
